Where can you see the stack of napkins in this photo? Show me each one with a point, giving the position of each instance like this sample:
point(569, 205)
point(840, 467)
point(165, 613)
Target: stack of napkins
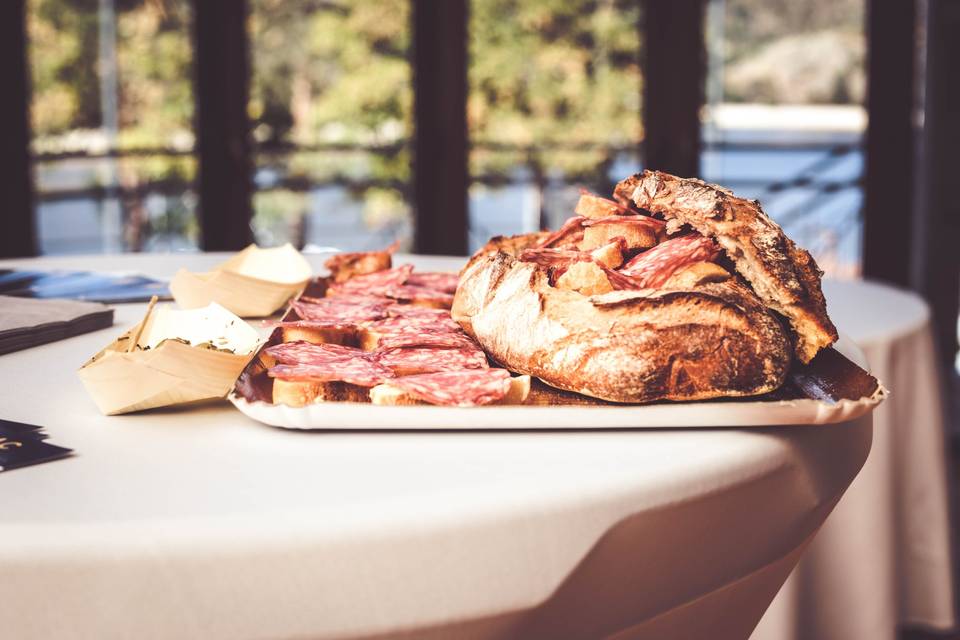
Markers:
point(111, 288)
point(26, 323)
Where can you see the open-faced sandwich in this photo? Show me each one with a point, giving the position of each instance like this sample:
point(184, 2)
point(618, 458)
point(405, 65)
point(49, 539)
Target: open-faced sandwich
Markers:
point(371, 332)
point(673, 290)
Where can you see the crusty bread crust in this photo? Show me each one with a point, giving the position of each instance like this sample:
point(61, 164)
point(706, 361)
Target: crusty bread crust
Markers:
point(511, 245)
point(714, 340)
point(785, 276)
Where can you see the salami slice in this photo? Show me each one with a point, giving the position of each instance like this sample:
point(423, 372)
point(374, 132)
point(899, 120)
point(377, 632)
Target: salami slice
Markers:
point(349, 298)
point(330, 322)
point(435, 280)
point(415, 313)
point(465, 388)
point(412, 360)
point(546, 257)
point(571, 232)
point(401, 324)
point(428, 338)
point(652, 268)
point(329, 308)
point(413, 293)
point(372, 283)
point(300, 352)
point(636, 219)
point(359, 371)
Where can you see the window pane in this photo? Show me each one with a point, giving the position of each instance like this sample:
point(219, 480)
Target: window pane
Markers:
point(331, 105)
point(112, 112)
point(785, 117)
point(554, 104)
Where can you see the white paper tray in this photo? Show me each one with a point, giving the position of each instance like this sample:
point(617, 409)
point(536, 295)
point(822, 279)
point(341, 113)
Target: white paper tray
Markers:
point(745, 413)
point(360, 416)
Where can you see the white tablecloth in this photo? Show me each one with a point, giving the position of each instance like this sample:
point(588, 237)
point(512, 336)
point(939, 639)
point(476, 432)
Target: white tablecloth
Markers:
point(883, 558)
point(200, 523)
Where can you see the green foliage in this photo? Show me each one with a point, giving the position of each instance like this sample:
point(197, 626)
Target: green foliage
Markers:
point(153, 68)
point(330, 72)
point(553, 71)
point(784, 51)
point(63, 54)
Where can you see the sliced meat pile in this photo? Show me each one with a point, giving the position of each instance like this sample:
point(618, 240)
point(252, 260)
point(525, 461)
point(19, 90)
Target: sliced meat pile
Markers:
point(399, 321)
point(608, 245)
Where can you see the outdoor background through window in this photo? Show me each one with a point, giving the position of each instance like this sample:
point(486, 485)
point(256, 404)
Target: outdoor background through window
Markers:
point(554, 104)
point(784, 120)
point(112, 113)
point(331, 105)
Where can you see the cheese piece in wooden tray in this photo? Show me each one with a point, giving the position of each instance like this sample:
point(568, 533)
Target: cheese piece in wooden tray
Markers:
point(254, 283)
point(170, 357)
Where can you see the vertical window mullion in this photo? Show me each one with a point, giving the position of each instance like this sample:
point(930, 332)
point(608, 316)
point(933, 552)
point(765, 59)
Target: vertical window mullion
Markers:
point(222, 125)
point(889, 152)
point(935, 266)
point(440, 173)
point(674, 77)
point(19, 237)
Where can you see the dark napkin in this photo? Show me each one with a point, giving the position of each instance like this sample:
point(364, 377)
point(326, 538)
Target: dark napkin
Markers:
point(81, 285)
point(27, 323)
point(24, 444)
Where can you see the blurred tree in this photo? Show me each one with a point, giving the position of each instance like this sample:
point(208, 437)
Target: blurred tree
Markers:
point(554, 71)
point(63, 61)
point(334, 72)
point(788, 52)
point(153, 60)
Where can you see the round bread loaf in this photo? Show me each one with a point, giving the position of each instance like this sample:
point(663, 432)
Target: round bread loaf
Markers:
point(715, 339)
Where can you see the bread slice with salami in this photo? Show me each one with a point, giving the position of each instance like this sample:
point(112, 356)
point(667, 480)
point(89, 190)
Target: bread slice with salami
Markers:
point(372, 332)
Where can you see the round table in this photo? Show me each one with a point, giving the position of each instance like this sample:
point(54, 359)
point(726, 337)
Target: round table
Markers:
point(883, 560)
point(197, 522)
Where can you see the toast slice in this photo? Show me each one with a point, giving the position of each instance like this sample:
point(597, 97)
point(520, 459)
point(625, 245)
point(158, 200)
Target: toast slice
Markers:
point(784, 276)
point(300, 393)
point(387, 394)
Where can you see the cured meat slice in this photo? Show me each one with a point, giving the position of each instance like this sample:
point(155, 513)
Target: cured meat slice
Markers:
point(546, 257)
point(329, 308)
point(372, 283)
point(349, 298)
point(344, 266)
point(414, 360)
point(413, 293)
point(329, 322)
point(300, 352)
point(465, 388)
point(362, 372)
point(416, 313)
point(652, 268)
point(428, 338)
point(607, 255)
point(409, 323)
point(636, 219)
point(570, 233)
point(435, 280)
